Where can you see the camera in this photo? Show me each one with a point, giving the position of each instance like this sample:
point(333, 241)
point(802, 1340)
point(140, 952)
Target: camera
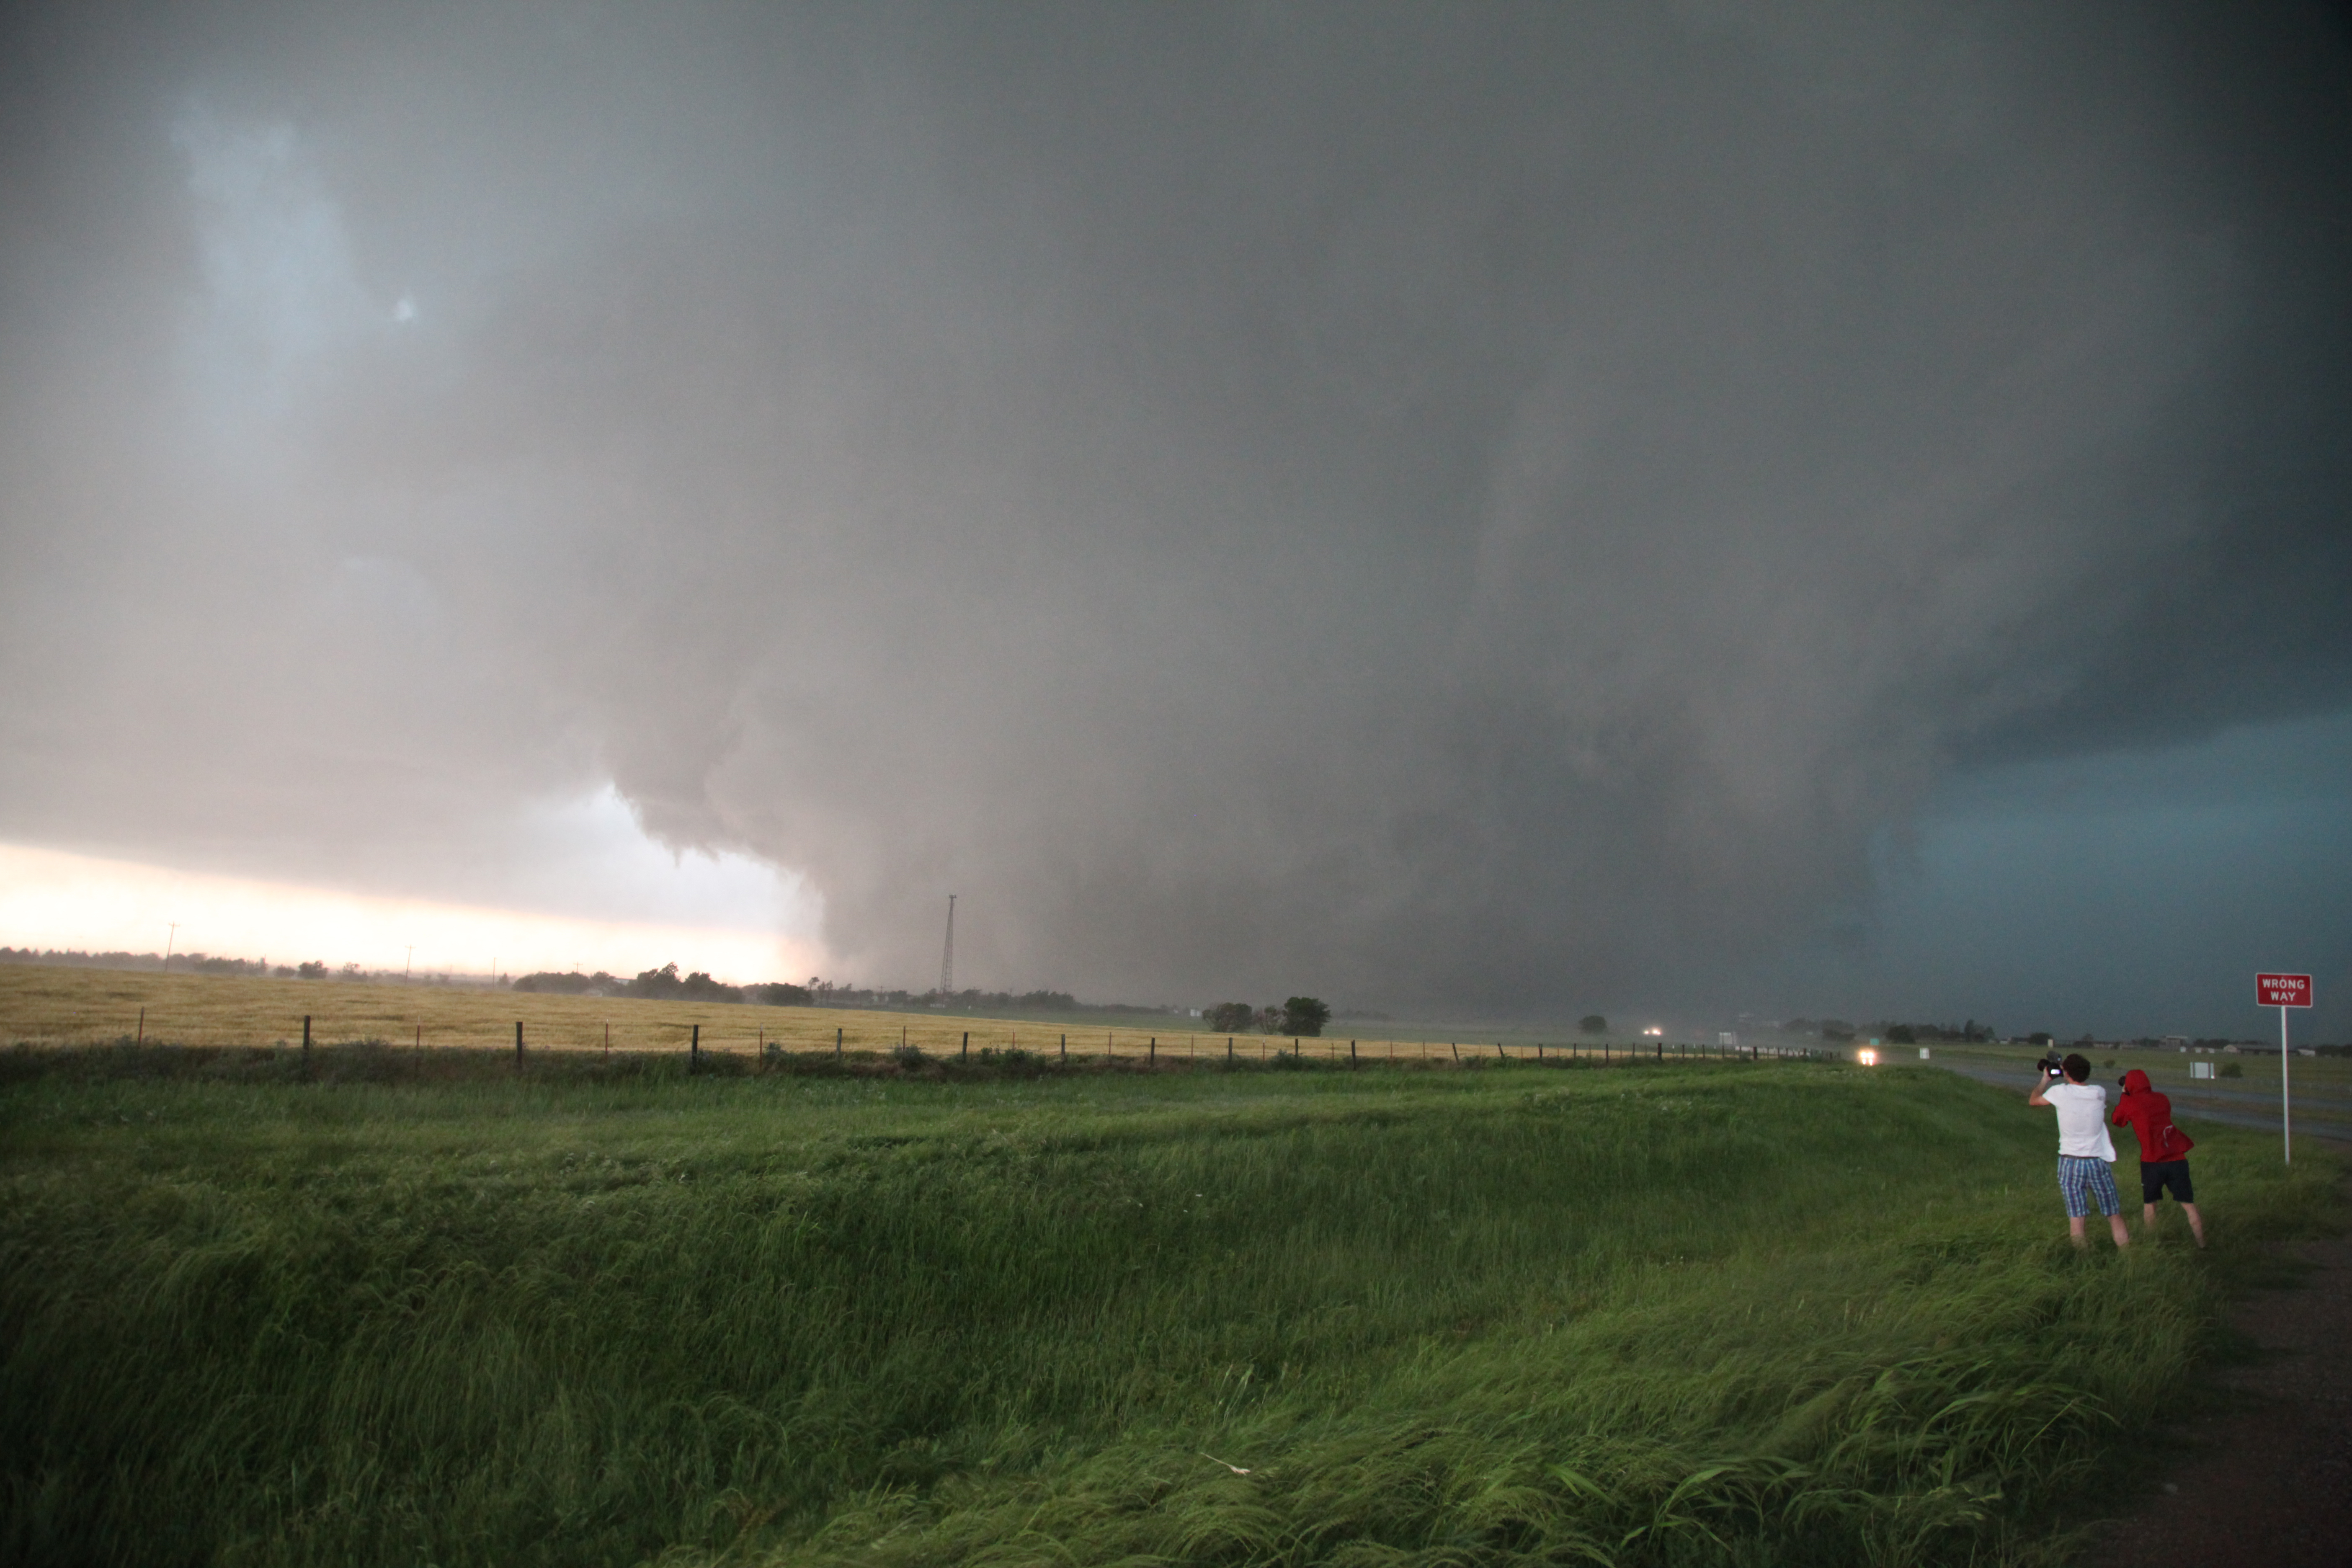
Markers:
point(2052, 1066)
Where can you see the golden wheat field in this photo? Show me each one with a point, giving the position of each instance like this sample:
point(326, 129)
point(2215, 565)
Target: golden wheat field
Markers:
point(40, 1005)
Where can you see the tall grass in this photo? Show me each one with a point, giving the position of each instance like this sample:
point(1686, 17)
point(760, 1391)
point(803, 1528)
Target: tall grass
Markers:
point(1712, 1313)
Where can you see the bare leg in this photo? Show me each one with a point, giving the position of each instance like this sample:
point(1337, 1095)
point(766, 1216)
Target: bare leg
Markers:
point(2075, 1230)
point(2148, 1216)
point(2121, 1231)
point(2196, 1223)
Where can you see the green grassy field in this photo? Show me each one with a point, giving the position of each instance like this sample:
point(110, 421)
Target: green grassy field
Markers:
point(2167, 1070)
point(1696, 1312)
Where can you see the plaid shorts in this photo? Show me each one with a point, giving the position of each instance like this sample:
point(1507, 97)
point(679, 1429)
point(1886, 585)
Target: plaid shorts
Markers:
point(2081, 1179)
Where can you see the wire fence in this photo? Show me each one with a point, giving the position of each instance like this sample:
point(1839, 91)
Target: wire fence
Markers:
point(576, 1027)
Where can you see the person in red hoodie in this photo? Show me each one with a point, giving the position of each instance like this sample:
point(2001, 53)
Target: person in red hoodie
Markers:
point(2163, 1151)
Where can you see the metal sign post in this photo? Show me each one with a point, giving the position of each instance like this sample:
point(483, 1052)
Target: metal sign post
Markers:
point(2282, 992)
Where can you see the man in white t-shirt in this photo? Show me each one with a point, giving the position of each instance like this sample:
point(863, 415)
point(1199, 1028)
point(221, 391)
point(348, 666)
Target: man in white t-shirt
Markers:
point(2086, 1156)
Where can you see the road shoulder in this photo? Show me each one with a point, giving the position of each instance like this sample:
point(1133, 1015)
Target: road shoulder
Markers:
point(2262, 1474)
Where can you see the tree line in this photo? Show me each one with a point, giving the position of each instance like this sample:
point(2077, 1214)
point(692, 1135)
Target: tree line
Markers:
point(664, 984)
point(1300, 1015)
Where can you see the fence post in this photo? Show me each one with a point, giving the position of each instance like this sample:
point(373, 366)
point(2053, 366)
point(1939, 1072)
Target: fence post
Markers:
point(517, 1042)
point(1539, 1050)
point(1154, 1058)
point(967, 1043)
point(1498, 1052)
point(1065, 1047)
point(142, 1027)
point(1229, 1050)
point(1351, 1055)
point(694, 1047)
point(306, 1045)
point(836, 1043)
point(1456, 1047)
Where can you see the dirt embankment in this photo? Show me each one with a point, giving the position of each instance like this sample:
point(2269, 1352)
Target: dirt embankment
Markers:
point(2264, 1479)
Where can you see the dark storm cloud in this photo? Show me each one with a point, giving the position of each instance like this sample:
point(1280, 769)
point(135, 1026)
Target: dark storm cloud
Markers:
point(1474, 504)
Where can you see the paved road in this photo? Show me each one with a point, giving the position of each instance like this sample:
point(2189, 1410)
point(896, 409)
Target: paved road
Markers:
point(2322, 1115)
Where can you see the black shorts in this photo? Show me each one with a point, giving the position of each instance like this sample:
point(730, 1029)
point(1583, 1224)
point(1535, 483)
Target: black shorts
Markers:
point(2155, 1175)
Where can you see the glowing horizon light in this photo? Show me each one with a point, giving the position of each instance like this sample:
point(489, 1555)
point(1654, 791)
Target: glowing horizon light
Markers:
point(1653, 1032)
point(54, 899)
point(1867, 1058)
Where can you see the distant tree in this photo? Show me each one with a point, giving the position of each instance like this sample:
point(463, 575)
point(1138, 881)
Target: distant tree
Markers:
point(1266, 1020)
point(778, 993)
point(664, 984)
point(1836, 1029)
point(1305, 1016)
point(1232, 1018)
point(2039, 1037)
point(314, 970)
point(1593, 1024)
point(1902, 1035)
point(551, 983)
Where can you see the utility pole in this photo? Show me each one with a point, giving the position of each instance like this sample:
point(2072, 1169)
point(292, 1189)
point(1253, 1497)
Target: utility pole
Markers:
point(946, 953)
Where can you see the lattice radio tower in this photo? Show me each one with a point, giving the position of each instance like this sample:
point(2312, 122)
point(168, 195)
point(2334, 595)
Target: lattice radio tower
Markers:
point(946, 953)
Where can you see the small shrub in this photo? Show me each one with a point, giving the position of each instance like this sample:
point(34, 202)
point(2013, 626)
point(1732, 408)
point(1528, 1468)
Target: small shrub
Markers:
point(2234, 1069)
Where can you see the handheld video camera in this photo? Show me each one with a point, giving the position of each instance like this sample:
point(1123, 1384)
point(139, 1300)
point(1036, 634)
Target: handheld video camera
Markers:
point(2052, 1066)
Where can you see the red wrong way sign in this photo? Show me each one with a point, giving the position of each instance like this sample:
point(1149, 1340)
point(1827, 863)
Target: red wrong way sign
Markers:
point(2282, 990)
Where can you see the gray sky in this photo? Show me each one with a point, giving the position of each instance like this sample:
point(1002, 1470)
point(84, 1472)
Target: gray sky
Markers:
point(1834, 509)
